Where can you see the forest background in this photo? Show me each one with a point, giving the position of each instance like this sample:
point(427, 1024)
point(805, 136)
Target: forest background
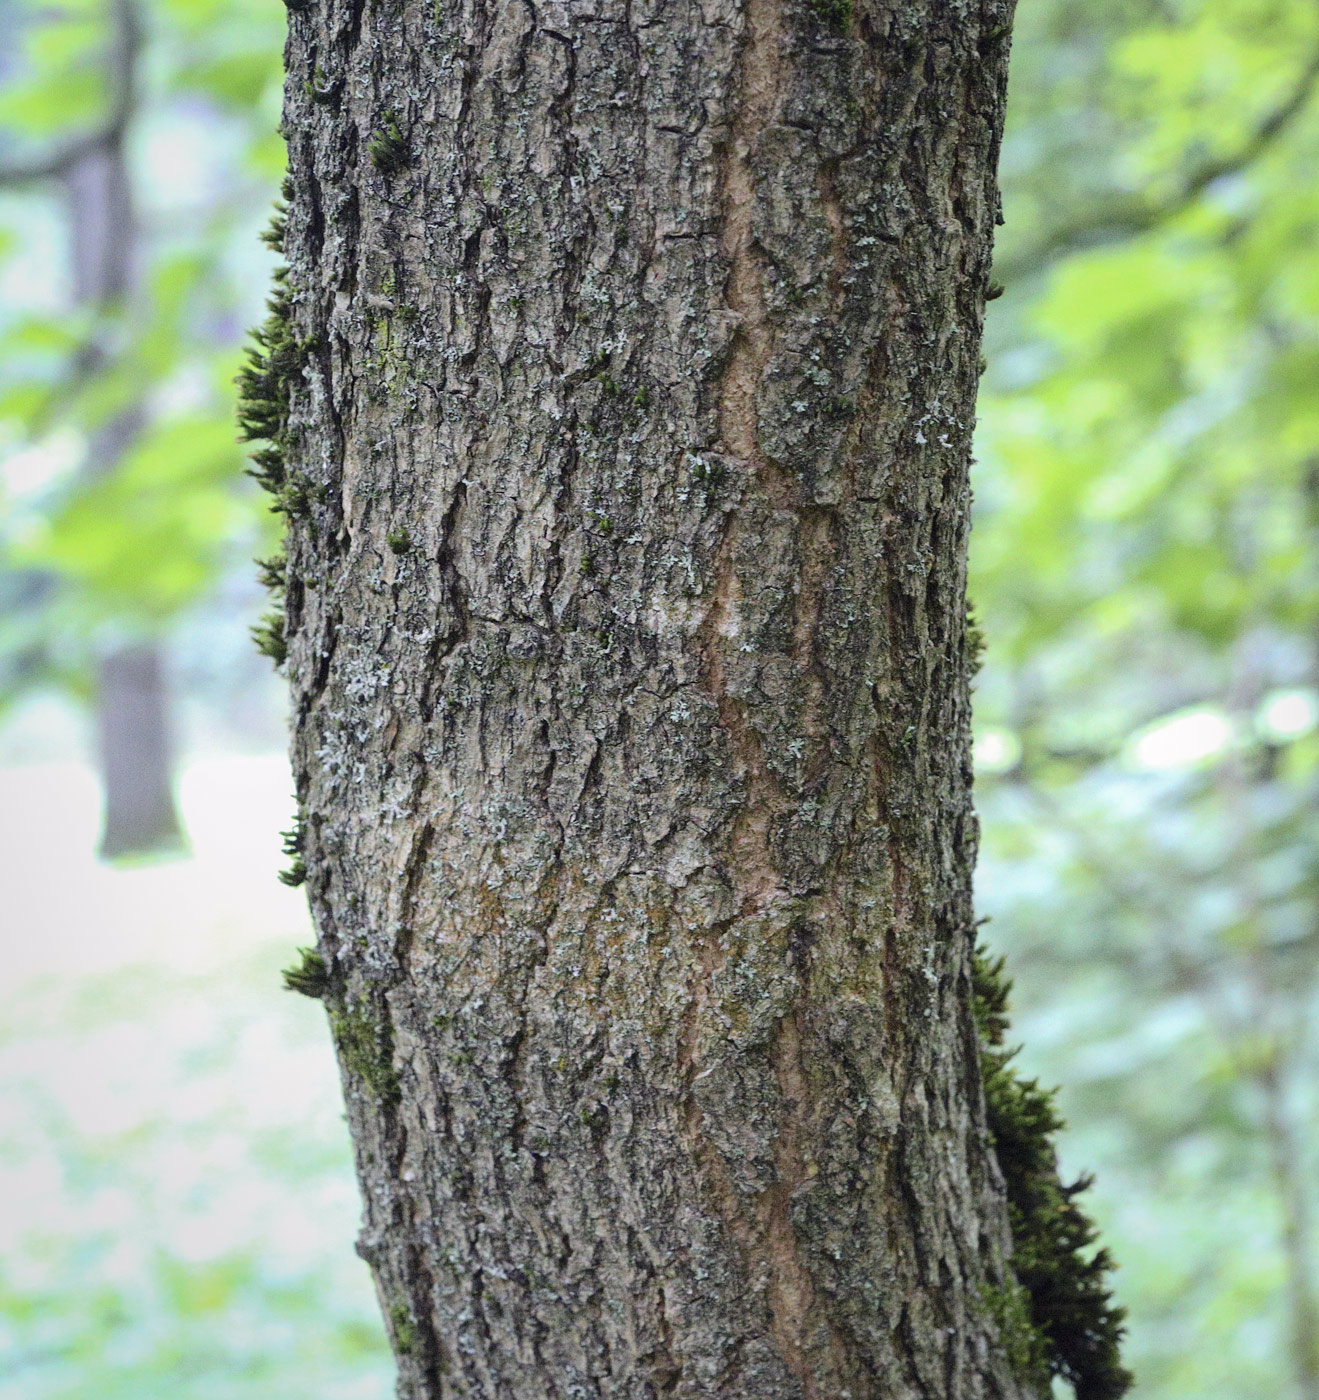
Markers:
point(1145, 571)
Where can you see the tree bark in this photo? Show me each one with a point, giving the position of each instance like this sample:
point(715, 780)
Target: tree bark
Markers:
point(627, 467)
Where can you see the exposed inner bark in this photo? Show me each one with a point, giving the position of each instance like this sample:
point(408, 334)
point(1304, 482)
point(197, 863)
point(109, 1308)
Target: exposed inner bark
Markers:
point(627, 633)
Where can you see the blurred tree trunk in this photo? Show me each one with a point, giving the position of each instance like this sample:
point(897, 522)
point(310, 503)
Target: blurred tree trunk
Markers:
point(133, 748)
point(133, 745)
point(630, 366)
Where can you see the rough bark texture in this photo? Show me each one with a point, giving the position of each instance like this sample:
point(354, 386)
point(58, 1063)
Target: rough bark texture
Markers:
point(625, 616)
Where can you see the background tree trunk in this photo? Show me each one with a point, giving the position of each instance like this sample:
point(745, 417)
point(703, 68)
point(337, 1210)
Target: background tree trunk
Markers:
point(131, 698)
point(136, 757)
point(636, 355)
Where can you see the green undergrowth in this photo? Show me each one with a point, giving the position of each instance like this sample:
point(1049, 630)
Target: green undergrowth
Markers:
point(1076, 1325)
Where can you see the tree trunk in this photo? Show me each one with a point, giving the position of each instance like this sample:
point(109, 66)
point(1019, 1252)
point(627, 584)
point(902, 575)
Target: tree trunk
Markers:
point(135, 753)
point(637, 349)
point(131, 699)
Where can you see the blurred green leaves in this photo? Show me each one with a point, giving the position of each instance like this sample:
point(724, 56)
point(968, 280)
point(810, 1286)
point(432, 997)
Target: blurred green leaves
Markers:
point(121, 484)
point(1146, 570)
point(148, 537)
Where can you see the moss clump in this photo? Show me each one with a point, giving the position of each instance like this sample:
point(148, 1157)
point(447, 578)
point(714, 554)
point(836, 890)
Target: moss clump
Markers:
point(388, 148)
point(274, 359)
point(836, 12)
point(274, 233)
point(975, 643)
point(1054, 1261)
point(321, 88)
point(1023, 1346)
point(273, 572)
point(309, 976)
point(366, 1050)
point(293, 843)
point(403, 1328)
point(268, 634)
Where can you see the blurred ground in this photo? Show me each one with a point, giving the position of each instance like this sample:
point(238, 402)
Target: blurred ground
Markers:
point(179, 1200)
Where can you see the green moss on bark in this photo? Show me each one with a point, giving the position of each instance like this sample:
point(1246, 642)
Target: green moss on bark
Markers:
point(388, 148)
point(1022, 1343)
point(366, 1049)
point(273, 359)
point(1054, 1259)
point(310, 975)
point(268, 634)
point(403, 1328)
point(294, 840)
point(835, 12)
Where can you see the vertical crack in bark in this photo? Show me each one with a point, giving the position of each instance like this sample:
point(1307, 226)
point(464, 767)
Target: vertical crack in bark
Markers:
point(426, 1350)
point(748, 356)
point(792, 1297)
point(817, 552)
point(753, 341)
point(768, 1238)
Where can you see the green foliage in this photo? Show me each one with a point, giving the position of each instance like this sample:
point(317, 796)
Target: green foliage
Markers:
point(147, 537)
point(121, 503)
point(1054, 1260)
point(1145, 563)
point(179, 1174)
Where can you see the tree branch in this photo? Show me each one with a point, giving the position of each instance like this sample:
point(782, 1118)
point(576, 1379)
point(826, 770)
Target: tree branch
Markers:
point(122, 70)
point(1124, 216)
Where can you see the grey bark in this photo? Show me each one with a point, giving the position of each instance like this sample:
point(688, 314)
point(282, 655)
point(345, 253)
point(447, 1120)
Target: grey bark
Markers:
point(627, 639)
point(131, 698)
